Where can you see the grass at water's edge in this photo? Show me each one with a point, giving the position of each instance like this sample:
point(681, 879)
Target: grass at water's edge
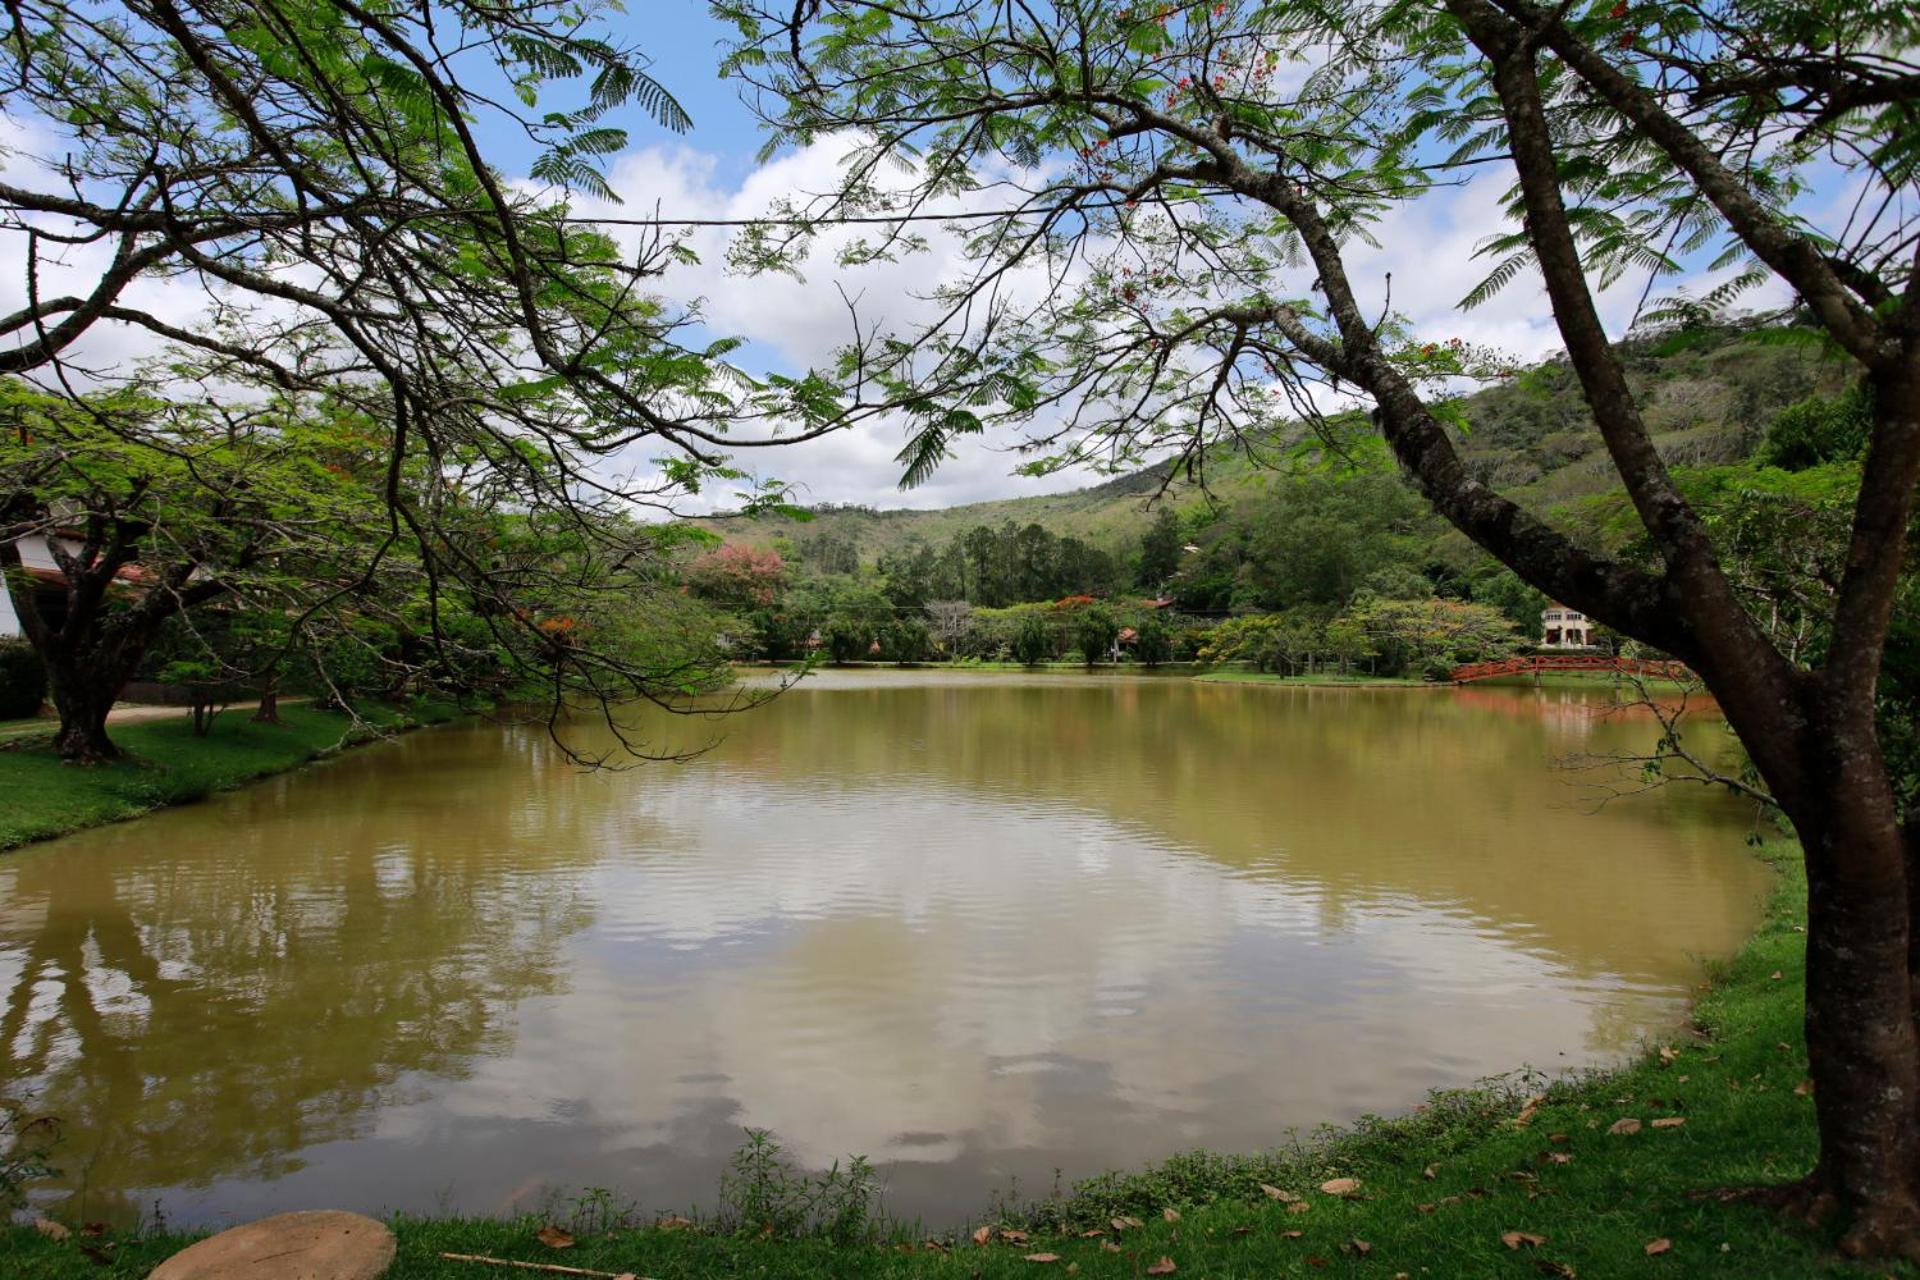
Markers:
point(166, 765)
point(1438, 1189)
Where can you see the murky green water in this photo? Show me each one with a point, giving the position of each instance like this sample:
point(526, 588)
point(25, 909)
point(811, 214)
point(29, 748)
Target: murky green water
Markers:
point(976, 928)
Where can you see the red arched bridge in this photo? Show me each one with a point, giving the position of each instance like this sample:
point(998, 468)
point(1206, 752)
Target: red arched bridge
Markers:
point(1534, 664)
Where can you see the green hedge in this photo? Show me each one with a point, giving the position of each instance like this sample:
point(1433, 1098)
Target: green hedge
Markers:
point(23, 681)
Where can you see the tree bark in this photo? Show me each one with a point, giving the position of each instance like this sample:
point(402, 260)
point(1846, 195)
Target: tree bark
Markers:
point(83, 701)
point(1863, 1046)
point(268, 712)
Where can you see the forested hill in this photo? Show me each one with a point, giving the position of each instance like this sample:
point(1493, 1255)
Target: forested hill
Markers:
point(1709, 397)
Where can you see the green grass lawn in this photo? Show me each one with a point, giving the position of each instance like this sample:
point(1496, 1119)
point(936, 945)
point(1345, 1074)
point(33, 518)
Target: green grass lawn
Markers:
point(1439, 1191)
point(166, 764)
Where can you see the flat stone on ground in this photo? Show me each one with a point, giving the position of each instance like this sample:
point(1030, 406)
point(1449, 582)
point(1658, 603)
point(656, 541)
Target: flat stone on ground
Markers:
point(319, 1244)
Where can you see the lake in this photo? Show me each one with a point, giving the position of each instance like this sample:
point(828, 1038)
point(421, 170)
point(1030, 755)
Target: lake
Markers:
point(977, 928)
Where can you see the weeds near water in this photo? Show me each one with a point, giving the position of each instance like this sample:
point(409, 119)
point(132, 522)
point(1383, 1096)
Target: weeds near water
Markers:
point(763, 1191)
point(26, 1147)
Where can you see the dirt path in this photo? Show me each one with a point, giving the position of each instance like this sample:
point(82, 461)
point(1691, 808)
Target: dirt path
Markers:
point(122, 713)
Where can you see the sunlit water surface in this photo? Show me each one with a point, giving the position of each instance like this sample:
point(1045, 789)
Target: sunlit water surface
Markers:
point(978, 929)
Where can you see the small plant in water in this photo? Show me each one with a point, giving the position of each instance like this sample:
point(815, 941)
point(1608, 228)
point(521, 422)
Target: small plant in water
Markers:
point(597, 1211)
point(26, 1143)
point(762, 1191)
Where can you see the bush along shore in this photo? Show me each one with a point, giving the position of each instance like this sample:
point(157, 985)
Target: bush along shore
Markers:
point(1631, 1173)
point(167, 764)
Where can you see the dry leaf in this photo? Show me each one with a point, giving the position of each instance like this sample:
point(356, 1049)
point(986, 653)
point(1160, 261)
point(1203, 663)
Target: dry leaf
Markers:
point(1275, 1193)
point(1094, 1234)
point(1073, 1268)
point(1043, 1257)
point(1121, 1224)
point(1315, 1260)
point(1361, 1247)
point(1669, 1122)
point(1430, 1172)
point(1424, 1208)
point(1628, 1125)
point(1548, 1267)
point(1516, 1239)
point(1170, 1214)
point(1340, 1186)
point(1241, 1231)
point(1558, 1157)
point(1164, 1267)
point(1291, 1235)
point(1668, 1053)
point(1525, 1117)
point(674, 1222)
point(1656, 1247)
point(1298, 1206)
point(1109, 1246)
point(54, 1231)
point(982, 1234)
point(553, 1237)
point(1803, 1089)
point(1013, 1237)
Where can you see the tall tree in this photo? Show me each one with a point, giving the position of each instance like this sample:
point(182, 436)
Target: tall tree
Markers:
point(1164, 168)
point(1160, 548)
point(311, 174)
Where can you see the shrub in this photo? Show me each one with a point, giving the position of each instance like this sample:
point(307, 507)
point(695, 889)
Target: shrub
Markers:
point(1033, 642)
point(23, 680)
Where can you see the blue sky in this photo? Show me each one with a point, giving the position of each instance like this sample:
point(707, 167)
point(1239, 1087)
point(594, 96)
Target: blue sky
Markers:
point(1427, 247)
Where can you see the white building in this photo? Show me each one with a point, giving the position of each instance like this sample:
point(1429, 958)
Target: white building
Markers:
point(1562, 628)
point(38, 561)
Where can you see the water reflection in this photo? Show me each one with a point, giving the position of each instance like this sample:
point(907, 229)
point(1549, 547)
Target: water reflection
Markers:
point(973, 928)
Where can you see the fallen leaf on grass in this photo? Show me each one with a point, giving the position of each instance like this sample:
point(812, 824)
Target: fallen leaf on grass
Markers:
point(1519, 1239)
point(1668, 1053)
point(1013, 1237)
point(1776, 975)
point(1669, 1122)
point(982, 1234)
point(1430, 1172)
point(1803, 1089)
point(1340, 1186)
point(1043, 1257)
point(1073, 1268)
point(1361, 1247)
point(1094, 1234)
point(1291, 1235)
point(553, 1237)
point(1628, 1125)
point(1275, 1193)
point(1298, 1206)
point(1548, 1267)
point(1527, 1112)
point(1241, 1231)
point(1558, 1157)
point(1424, 1208)
point(674, 1222)
point(1164, 1267)
point(1315, 1260)
point(54, 1231)
point(1657, 1247)
point(1108, 1246)
point(1121, 1224)
point(1170, 1214)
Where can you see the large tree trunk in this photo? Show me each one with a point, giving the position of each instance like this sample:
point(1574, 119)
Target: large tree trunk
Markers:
point(83, 698)
point(1863, 1042)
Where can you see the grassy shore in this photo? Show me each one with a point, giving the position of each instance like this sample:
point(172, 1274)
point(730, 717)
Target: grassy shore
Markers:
point(167, 765)
point(1475, 1184)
